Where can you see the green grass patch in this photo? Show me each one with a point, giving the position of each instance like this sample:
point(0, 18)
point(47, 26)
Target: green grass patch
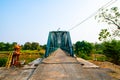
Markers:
point(99, 57)
point(27, 55)
point(3, 52)
point(3, 62)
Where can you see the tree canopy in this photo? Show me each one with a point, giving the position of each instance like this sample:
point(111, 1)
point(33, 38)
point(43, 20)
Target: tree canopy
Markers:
point(27, 46)
point(112, 17)
point(111, 47)
point(112, 51)
point(83, 48)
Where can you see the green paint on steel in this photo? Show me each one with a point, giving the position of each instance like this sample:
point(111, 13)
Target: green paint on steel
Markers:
point(59, 39)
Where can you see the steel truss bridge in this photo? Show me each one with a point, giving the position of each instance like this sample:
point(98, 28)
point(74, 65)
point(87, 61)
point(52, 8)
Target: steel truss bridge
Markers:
point(59, 39)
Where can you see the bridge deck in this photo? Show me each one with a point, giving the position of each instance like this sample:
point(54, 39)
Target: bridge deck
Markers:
point(60, 66)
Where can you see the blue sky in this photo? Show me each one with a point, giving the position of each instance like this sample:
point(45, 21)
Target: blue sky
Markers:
point(31, 20)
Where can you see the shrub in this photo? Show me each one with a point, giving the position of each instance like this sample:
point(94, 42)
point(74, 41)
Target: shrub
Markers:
point(102, 58)
point(112, 51)
point(3, 62)
point(84, 56)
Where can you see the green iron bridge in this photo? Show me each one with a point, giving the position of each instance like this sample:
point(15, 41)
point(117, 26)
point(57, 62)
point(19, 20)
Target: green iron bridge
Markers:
point(59, 39)
point(60, 66)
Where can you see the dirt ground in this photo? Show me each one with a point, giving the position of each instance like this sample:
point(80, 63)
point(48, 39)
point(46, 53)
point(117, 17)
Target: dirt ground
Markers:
point(19, 73)
point(14, 74)
point(24, 73)
point(114, 70)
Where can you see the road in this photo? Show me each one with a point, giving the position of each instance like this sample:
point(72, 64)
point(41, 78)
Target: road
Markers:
point(60, 66)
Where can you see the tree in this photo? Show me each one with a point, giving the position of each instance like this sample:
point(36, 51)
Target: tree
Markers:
point(35, 46)
point(111, 48)
point(27, 46)
point(98, 47)
point(13, 45)
point(43, 46)
point(111, 17)
point(112, 51)
point(8, 47)
point(83, 49)
point(104, 34)
point(77, 47)
point(2, 46)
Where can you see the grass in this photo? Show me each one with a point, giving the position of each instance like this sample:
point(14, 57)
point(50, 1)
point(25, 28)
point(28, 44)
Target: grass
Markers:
point(27, 55)
point(3, 52)
point(98, 57)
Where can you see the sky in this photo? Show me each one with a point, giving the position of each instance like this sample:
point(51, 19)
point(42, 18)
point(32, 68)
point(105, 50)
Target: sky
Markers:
point(31, 20)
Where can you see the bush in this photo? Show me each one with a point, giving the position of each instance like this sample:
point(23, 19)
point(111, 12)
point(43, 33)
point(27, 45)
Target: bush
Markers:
point(101, 58)
point(3, 62)
point(84, 56)
point(112, 51)
point(99, 52)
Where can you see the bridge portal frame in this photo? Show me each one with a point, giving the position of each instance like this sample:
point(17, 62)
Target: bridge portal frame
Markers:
point(59, 39)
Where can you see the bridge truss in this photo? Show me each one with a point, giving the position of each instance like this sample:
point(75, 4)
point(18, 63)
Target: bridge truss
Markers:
point(59, 39)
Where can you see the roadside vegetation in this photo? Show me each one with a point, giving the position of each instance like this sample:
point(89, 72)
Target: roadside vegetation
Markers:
point(105, 51)
point(29, 51)
point(109, 49)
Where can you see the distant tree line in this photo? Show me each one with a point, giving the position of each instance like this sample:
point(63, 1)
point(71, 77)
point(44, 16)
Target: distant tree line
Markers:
point(7, 46)
point(84, 49)
point(27, 46)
